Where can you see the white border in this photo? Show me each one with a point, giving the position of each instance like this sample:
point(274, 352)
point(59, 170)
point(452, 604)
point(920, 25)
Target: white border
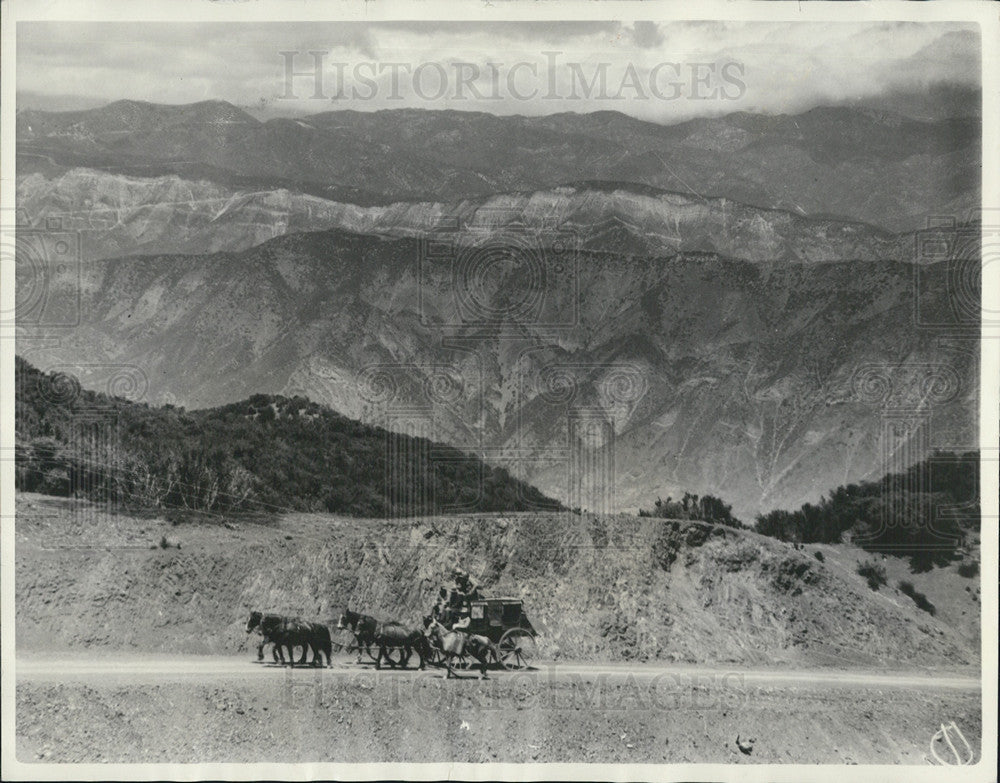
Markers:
point(984, 13)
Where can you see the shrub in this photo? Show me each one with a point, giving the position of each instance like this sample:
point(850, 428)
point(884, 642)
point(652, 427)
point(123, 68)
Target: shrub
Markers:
point(706, 508)
point(819, 556)
point(968, 569)
point(919, 599)
point(874, 572)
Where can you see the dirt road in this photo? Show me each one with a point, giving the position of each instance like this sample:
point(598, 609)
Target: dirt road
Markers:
point(148, 668)
point(148, 708)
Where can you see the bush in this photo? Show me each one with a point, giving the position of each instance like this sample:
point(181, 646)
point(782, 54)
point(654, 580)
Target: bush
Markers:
point(706, 508)
point(968, 569)
point(919, 599)
point(874, 572)
point(819, 556)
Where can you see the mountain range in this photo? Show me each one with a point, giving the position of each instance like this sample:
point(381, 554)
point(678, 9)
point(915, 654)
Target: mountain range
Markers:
point(855, 163)
point(704, 301)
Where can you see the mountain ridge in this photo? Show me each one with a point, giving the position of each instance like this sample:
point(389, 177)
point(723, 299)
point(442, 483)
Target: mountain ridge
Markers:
point(703, 366)
point(816, 161)
point(122, 215)
point(262, 454)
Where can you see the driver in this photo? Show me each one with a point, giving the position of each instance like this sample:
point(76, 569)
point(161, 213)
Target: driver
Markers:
point(469, 591)
point(453, 606)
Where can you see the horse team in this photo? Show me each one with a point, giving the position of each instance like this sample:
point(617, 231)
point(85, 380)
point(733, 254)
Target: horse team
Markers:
point(433, 641)
point(289, 633)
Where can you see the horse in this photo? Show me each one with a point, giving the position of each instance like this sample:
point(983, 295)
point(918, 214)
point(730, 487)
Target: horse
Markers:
point(254, 623)
point(321, 642)
point(291, 632)
point(362, 625)
point(396, 635)
point(264, 624)
point(274, 650)
point(454, 644)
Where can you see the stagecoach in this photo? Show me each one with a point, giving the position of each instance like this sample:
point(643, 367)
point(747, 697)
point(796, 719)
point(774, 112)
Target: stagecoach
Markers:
point(503, 622)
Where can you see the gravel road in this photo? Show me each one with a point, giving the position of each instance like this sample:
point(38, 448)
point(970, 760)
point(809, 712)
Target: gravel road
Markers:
point(120, 707)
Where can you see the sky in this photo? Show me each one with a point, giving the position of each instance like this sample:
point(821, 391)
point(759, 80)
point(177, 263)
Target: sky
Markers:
point(664, 73)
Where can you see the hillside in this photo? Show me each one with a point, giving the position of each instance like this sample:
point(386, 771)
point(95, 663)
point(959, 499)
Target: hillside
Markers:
point(265, 454)
point(598, 588)
point(926, 512)
point(118, 215)
point(739, 378)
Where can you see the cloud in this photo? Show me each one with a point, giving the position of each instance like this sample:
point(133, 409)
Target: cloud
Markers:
point(647, 35)
point(784, 67)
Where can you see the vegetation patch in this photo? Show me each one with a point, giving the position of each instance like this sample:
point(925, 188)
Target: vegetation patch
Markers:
point(969, 569)
point(706, 508)
point(919, 598)
point(267, 454)
point(896, 515)
point(791, 573)
point(874, 572)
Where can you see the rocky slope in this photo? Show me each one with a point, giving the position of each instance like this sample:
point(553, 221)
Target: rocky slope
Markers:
point(117, 215)
point(596, 587)
point(120, 215)
point(744, 379)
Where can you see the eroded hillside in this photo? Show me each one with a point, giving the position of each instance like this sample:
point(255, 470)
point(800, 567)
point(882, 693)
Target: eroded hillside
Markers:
point(745, 380)
point(596, 587)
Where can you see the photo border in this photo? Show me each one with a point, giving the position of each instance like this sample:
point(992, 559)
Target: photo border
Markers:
point(985, 14)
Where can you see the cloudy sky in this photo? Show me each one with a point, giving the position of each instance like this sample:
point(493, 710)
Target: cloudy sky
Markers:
point(663, 72)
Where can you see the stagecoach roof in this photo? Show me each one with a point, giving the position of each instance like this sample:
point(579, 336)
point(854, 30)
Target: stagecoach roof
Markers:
point(498, 601)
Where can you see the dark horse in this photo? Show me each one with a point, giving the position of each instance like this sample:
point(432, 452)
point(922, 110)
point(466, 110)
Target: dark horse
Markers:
point(363, 626)
point(393, 635)
point(455, 644)
point(290, 632)
point(274, 650)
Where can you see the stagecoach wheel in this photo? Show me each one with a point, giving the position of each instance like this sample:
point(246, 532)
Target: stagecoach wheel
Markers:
point(516, 649)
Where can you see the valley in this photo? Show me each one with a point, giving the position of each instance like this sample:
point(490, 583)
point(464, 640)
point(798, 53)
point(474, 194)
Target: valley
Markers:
point(718, 334)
